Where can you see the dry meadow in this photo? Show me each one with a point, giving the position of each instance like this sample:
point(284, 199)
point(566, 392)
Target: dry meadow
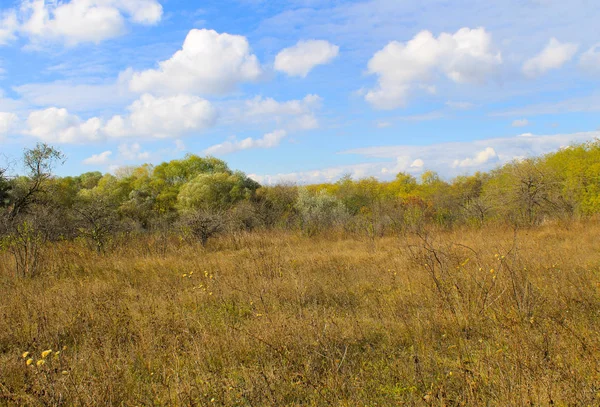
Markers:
point(470, 317)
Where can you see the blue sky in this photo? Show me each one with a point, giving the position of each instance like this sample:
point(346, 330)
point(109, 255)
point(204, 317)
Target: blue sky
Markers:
point(299, 90)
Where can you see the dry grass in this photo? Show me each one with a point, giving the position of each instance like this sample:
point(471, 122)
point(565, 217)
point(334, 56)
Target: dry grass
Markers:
point(278, 319)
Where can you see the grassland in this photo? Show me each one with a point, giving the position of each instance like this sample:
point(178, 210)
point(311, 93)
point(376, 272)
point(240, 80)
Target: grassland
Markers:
point(468, 317)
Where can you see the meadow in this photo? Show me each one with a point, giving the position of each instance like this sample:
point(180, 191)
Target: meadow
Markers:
point(490, 316)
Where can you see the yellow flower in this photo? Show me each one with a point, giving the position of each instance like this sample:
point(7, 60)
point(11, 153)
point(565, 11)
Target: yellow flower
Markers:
point(56, 353)
point(29, 361)
point(25, 354)
point(46, 353)
point(64, 372)
point(40, 362)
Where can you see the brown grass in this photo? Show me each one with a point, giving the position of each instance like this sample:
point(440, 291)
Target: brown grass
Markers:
point(279, 319)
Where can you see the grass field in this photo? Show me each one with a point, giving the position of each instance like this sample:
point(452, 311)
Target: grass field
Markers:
point(469, 317)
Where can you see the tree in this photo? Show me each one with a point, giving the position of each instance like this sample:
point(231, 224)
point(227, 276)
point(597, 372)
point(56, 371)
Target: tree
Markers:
point(276, 205)
point(97, 220)
point(202, 224)
point(523, 192)
point(39, 163)
point(319, 211)
point(30, 219)
point(217, 191)
point(4, 188)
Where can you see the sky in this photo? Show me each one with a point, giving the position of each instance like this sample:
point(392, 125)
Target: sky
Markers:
point(299, 91)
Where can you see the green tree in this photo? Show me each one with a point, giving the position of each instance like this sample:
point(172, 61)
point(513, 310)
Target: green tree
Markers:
point(215, 191)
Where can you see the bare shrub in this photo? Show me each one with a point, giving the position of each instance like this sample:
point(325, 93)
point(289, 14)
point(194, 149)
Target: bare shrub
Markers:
point(202, 224)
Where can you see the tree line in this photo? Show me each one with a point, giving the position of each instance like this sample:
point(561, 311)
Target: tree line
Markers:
point(199, 197)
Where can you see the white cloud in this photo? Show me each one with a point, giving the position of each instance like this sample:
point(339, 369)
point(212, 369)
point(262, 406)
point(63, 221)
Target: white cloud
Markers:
point(590, 60)
point(383, 125)
point(75, 97)
point(480, 158)
point(269, 140)
point(56, 125)
point(520, 123)
point(149, 117)
point(292, 115)
point(300, 59)
point(466, 56)
point(208, 63)
point(317, 176)
point(98, 159)
point(8, 26)
point(553, 56)
point(163, 117)
point(260, 106)
point(133, 152)
point(418, 163)
point(445, 158)
point(77, 21)
point(7, 122)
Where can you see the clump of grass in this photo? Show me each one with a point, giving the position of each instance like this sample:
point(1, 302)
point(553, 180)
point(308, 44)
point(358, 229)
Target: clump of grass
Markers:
point(465, 317)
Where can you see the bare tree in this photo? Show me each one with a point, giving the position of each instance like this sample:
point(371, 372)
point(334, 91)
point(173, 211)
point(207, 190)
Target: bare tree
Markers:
point(39, 163)
point(203, 224)
point(28, 221)
point(97, 221)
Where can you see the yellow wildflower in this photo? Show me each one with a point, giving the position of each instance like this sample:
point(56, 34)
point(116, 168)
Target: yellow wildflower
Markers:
point(40, 362)
point(29, 361)
point(25, 354)
point(46, 353)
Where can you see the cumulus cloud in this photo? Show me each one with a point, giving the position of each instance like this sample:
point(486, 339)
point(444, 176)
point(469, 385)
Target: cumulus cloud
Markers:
point(54, 125)
point(76, 21)
point(553, 56)
point(466, 56)
point(208, 63)
point(520, 123)
point(163, 117)
point(480, 158)
point(98, 159)
point(300, 59)
point(7, 122)
point(269, 140)
point(149, 117)
point(590, 60)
